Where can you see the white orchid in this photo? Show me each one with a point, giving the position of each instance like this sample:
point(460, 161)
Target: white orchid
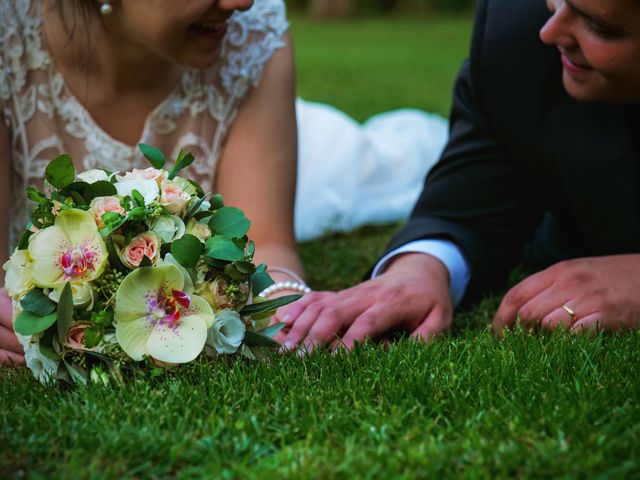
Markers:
point(18, 278)
point(70, 250)
point(155, 317)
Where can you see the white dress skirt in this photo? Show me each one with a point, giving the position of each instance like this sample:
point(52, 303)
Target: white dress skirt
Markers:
point(351, 174)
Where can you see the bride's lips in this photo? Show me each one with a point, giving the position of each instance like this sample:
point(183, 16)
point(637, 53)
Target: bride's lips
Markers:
point(215, 30)
point(572, 67)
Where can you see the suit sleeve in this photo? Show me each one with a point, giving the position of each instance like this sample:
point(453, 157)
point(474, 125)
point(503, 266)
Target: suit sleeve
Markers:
point(475, 196)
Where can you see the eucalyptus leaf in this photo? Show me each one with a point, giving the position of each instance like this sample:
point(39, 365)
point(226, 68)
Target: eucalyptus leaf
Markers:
point(272, 330)
point(230, 222)
point(155, 156)
point(220, 248)
point(253, 339)
point(216, 202)
point(260, 281)
point(232, 271)
point(101, 188)
point(65, 311)
point(269, 305)
point(28, 323)
point(187, 250)
point(247, 268)
point(77, 198)
point(251, 249)
point(37, 302)
point(79, 187)
point(60, 172)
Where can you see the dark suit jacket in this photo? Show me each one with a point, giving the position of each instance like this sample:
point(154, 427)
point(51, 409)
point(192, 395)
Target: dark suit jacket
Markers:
point(525, 161)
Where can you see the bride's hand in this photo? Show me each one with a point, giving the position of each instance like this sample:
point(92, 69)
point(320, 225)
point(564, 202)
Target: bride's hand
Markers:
point(11, 352)
point(412, 295)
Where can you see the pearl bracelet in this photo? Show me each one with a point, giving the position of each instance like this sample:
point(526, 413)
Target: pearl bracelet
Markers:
point(288, 285)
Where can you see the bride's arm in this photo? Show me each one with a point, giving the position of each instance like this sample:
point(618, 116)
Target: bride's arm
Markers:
point(10, 349)
point(257, 171)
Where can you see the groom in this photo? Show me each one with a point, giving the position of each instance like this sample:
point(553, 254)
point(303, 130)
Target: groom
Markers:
point(542, 160)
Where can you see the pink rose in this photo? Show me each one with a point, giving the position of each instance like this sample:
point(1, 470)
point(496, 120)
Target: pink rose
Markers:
point(75, 335)
point(173, 197)
point(101, 205)
point(146, 244)
point(146, 174)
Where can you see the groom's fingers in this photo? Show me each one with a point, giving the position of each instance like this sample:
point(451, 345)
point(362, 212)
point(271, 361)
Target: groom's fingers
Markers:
point(369, 324)
point(438, 321)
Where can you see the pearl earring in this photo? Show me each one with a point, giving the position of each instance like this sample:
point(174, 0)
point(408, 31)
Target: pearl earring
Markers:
point(106, 8)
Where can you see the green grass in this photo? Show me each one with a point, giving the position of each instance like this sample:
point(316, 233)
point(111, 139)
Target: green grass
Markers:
point(368, 66)
point(467, 405)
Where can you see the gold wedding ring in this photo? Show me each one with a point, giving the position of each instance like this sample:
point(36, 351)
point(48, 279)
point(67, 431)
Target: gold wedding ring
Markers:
point(570, 311)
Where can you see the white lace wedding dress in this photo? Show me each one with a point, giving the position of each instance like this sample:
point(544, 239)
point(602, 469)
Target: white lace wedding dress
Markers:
point(348, 174)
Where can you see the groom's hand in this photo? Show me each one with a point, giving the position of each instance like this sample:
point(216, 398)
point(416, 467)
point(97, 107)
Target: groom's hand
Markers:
point(412, 295)
point(578, 294)
point(11, 352)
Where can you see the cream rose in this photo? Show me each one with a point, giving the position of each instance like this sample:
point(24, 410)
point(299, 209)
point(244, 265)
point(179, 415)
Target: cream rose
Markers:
point(199, 230)
point(145, 174)
point(146, 244)
point(169, 228)
point(101, 205)
point(173, 197)
point(147, 188)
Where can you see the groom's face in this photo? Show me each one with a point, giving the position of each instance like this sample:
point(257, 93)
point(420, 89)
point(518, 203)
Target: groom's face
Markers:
point(599, 44)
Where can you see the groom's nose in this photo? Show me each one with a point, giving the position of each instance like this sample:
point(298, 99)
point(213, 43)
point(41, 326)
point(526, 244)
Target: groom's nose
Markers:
point(559, 28)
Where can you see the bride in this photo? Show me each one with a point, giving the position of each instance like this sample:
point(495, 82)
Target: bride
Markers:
point(93, 78)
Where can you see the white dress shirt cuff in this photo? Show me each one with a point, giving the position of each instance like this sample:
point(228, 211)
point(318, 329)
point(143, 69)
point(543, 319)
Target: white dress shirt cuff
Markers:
point(445, 251)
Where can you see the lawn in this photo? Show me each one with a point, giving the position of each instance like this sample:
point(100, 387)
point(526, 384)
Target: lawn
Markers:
point(467, 405)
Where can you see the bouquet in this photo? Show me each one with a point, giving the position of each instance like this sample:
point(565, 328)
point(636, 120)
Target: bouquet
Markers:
point(116, 271)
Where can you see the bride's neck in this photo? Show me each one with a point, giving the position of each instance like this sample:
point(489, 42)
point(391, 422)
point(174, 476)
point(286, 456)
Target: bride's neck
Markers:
point(87, 54)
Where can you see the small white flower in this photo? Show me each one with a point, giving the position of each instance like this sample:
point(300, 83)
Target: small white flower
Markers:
point(93, 176)
point(42, 367)
point(18, 279)
point(148, 188)
point(82, 294)
point(227, 332)
point(169, 228)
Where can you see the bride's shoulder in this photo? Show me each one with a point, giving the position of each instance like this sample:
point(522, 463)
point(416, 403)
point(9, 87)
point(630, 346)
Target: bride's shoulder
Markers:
point(252, 38)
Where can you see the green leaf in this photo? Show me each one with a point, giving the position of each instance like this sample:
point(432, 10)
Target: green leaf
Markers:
point(220, 248)
point(259, 281)
point(138, 198)
point(145, 262)
point(24, 240)
point(232, 271)
point(28, 323)
point(101, 188)
point(156, 157)
point(271, 330)
point(230, 222)
point(60, 172)
point(35, 195)
point(37, 302)
point(216, 202)
point(253, 339)
point(77, 373)
point(268, 305)
point(77, 198)
point(251, 249)
point(247, 268)
point(114, 259)
point(187, 250)
point(79, 187)
point(137, 213)
point(92, 336)
point(65, 311)
point(183, 161)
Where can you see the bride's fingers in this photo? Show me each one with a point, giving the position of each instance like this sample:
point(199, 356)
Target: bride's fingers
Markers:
point(9, 341)
point(290, 313)
point(10, 358)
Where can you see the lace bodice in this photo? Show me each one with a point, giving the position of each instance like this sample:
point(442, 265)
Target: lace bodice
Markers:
point(45, 119)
